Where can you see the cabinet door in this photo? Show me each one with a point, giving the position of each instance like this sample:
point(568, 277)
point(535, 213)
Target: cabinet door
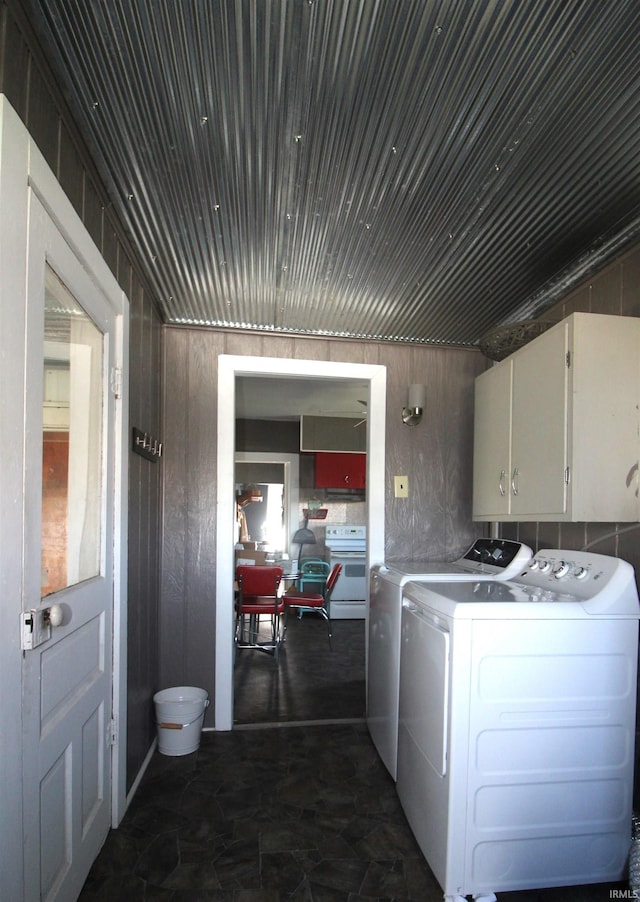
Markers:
point(340, 434)
point(334, 471)
point(539, 426)
point(492, 443)
point(603, 440)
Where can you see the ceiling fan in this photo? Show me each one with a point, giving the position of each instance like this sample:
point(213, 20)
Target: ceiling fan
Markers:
point(364, 414)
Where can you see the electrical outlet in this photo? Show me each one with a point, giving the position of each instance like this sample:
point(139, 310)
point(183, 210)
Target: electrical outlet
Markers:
point(401, 486)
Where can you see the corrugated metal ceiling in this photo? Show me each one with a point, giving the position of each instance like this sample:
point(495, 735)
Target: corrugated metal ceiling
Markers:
point(394, 169)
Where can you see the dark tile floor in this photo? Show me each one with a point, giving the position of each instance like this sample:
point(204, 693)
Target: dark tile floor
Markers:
point(311, 682)
point(278, 809)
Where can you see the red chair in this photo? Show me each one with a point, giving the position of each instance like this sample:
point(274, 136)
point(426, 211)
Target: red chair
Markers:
point(314, 601)
point(258, 596)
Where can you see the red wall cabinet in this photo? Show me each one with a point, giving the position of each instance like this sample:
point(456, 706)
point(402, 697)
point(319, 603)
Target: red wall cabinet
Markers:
point(335, 470)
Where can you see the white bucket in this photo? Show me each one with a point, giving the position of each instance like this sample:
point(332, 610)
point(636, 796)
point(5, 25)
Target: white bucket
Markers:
point(179, 716)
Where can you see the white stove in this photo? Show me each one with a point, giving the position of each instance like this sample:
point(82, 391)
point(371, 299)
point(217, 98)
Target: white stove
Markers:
point(351, 539)
point(347, 546)
point(517, 724)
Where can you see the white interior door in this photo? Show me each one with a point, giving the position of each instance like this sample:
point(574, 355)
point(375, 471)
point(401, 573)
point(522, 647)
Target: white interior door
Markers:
point(68, 542)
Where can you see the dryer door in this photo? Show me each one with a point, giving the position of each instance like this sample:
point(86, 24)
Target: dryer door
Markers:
point(423, 788)
point(424, 684)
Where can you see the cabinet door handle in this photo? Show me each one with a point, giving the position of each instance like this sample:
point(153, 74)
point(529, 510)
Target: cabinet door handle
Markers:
point(503, 473)
point(514, 480)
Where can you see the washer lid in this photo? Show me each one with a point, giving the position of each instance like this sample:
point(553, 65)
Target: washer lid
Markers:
point(516, 599)
point(436, 571)
point(486, 559)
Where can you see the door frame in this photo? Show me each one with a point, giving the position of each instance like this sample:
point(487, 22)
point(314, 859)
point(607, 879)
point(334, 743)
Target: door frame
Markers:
point(230, 366)
point(23, 168)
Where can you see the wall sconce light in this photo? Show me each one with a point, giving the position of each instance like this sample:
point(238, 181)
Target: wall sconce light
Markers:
point(412, 413)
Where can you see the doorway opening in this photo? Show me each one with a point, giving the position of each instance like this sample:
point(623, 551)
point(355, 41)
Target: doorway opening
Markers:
point(314, 680)
point(266, 492)
point(261, 515)
point(229, 368)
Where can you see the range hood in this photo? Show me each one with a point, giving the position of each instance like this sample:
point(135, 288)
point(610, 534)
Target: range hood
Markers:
point(341, 494)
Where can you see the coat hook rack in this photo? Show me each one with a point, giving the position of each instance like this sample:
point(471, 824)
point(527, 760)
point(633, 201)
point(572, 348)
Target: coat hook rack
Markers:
point(146, 445)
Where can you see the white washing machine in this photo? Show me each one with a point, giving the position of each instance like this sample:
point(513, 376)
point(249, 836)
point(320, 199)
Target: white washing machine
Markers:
point(486, 559)
point(517, 725)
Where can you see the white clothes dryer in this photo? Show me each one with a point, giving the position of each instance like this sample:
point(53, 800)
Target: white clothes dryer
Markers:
point(486, 559)
point(517, 725)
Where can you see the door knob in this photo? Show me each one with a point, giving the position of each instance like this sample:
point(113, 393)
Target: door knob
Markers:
point(56, 615)
point(53, 616)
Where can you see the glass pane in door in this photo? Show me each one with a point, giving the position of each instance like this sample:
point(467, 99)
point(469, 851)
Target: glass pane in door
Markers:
point(72, 442)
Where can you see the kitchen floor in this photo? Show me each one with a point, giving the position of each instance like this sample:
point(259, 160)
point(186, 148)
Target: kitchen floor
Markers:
point(311, 681)
point(294, 803)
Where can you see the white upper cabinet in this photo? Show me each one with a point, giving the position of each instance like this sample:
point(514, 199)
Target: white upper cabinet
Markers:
point(333, 434)
point(492, 443)
point(556, 426)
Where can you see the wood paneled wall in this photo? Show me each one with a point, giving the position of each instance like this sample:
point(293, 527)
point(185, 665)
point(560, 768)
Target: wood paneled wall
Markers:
point(433, 523)
point(145, 527)
point(29, 85)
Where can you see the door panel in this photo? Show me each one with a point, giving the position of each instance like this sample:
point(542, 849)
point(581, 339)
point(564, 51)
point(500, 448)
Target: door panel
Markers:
point(492, 442)
point(68, 553)
point(539, 450)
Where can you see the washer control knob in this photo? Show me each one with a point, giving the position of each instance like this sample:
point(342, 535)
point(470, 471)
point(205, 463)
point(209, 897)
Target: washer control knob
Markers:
point(580, 572)
point(533, 564)
point(561, 568)
point(543, 565)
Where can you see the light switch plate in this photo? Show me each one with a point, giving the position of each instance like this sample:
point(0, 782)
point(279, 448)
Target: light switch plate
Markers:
point(401, 486)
